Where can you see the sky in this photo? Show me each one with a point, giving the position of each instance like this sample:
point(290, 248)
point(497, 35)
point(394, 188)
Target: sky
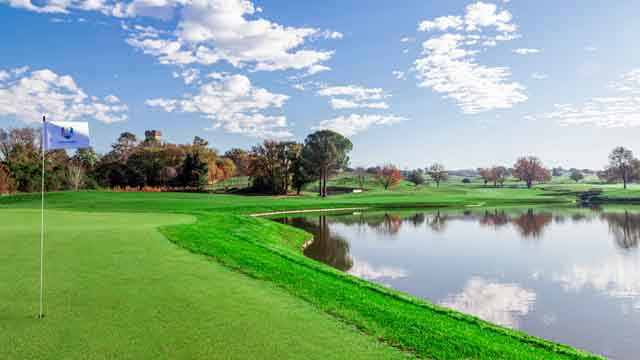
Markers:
point(412, 82)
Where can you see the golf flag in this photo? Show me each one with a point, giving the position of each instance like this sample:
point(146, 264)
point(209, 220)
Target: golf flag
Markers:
point(66, 135)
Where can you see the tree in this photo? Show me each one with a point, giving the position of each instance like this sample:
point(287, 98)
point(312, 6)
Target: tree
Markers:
point(193, 173)
point(576, 175)
point(388, 176)
point(361, 176)
point(7, 185)
point(76, 175)
point(485, 174)
point(498, 175)
point(326, 151)
point(621, 165)
point(241, 160)
point(438, 173)
point(300, 175)
point(124, 146)
point(530, 169)
point(416, 177)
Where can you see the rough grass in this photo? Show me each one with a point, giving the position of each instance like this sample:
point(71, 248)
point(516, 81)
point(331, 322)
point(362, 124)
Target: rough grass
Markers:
point(269, 251)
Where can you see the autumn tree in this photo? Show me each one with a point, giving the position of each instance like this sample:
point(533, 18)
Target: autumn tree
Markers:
point(326, 151)
point(388, 176)
point(485, 174)
point(530, 169)
point(498, 175)
point(576, 175)
point(621, 165)
point(438, 173)
point(7, 185)
point(241, 160)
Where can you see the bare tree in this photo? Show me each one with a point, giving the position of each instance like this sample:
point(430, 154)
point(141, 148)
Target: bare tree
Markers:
point(76, 175)
point(438, 173)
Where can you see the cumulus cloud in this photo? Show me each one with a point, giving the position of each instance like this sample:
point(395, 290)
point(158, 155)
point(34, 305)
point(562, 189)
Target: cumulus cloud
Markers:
point(233, 104)
point(354, 96)
point(355, 123)
point(206, 32)
point(448, 63)
point(620, 110)
point(28, 95)
point(442, 23)
point(498, 303)
point(526, 51)
point(209, 31)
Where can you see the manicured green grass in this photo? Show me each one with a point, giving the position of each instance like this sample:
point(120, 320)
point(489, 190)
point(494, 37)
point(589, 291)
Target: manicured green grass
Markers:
point(116, 289)
point(269, 251)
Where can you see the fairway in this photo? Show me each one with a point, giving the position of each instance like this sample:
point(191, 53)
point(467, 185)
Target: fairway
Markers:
point(116, 288)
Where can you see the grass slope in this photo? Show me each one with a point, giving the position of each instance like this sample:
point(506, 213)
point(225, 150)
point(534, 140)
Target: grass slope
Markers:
point(270, 251)
point(117, 289)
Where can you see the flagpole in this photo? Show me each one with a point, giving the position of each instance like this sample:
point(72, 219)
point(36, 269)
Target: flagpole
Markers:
point(43, 145)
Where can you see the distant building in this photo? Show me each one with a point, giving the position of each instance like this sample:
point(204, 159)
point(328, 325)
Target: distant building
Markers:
point(153, 136)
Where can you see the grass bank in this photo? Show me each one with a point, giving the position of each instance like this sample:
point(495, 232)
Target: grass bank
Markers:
point(269, 251)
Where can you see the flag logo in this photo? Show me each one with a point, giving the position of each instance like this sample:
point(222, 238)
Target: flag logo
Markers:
point(66, 132)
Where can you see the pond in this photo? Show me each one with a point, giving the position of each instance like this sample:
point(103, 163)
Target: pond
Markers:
point(570, 275)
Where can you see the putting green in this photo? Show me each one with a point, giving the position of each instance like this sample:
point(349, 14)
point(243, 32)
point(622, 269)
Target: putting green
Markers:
point(116, 288)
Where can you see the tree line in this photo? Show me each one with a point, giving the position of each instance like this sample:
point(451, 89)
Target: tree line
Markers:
point(273, 167)
point(151, 164)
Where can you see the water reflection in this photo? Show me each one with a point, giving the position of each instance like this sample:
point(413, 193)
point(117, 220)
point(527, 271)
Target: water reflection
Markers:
point(331, 249)
point(625, 228)
point(499, 303)
point(577, 283)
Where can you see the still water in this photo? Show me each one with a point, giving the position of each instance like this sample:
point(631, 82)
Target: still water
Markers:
point(569, 275)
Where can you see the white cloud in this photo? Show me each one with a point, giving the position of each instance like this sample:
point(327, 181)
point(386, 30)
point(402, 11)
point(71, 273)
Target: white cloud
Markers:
point(481, 15)
point(209, 31)
point(355, 123)
point(235, 105)
point(338, 104)
point(28, 95)
point(590, 49)
point(526, 51)
point(621, 110)
point(498, 303)
point(448, 62)
point(353, 96)
point(406, 39)
point(617, 276)
point(365, 270)
point(398, 74)
point(447, 67)
point(206, 32)
point(539, 76)
point(188, 75)
point(442, 23)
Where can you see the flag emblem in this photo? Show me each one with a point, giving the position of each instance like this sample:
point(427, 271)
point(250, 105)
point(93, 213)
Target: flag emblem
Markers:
point(66, 132)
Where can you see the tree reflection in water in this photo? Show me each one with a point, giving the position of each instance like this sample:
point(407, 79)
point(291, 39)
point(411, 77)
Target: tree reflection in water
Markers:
point(531, 225)
point(625, 228)
point(333, 249)
point(326, 247)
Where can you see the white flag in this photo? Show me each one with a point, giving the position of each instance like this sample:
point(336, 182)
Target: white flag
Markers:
point(66, 135)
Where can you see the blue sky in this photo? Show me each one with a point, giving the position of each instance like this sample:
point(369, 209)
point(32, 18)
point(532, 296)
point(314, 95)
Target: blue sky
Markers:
point(465, 83)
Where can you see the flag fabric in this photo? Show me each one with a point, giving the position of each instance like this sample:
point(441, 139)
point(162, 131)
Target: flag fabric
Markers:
point(66, 135)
